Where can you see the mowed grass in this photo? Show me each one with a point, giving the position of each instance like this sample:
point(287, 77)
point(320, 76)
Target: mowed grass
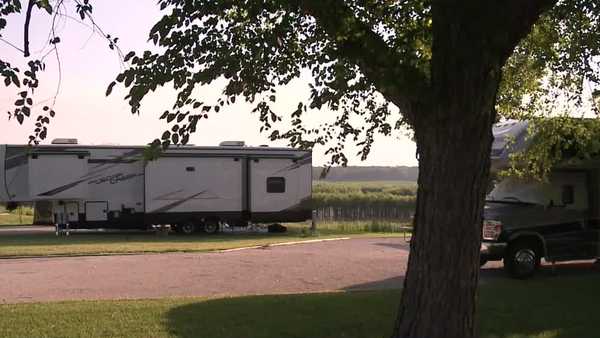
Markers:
point(46, 244)
point(560, 307)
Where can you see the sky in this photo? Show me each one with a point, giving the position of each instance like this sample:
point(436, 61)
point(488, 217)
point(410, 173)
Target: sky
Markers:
point(88, 66)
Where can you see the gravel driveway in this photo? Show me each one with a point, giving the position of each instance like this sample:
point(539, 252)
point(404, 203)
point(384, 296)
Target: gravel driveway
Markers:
point(326, 266)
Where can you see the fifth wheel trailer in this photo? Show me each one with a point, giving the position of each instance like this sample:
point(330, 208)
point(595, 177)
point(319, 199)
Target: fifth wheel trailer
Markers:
point(191, 188)
point(526, 220)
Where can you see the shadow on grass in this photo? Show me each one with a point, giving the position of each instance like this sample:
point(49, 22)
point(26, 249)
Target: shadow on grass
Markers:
point(43, 239)
point(356, 314)
point(565, 307)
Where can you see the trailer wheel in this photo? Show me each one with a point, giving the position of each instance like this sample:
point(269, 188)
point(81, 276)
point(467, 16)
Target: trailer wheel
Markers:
point(186, 228)
point(522, 259)
point(211, 227)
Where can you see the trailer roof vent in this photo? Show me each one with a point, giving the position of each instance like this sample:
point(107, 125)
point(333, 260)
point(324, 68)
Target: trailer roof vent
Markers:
point(232, 144)
point(64, 141)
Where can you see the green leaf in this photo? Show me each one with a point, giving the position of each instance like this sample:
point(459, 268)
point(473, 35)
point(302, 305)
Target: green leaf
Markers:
point(15, 80)
point(110, 88)
point(129, 56)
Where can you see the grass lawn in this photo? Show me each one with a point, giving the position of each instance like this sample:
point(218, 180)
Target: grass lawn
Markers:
point(81, 244)
point(561, 307)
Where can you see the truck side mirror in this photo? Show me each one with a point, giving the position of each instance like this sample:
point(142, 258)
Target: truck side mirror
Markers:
point(568, 195)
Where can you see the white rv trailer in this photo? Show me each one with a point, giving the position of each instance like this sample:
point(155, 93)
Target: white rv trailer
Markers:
point(190, 187)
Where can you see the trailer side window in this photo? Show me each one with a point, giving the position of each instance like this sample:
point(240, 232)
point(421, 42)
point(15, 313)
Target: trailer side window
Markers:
point(275, 184)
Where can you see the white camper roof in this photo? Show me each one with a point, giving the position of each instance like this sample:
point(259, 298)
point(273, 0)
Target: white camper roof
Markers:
point(509, 136)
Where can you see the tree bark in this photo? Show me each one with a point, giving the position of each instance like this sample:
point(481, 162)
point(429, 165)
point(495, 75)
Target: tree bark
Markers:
point(472, 41)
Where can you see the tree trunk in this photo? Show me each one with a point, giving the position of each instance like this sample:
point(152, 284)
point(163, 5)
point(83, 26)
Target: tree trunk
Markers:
point(443, 270)
point(454, 135)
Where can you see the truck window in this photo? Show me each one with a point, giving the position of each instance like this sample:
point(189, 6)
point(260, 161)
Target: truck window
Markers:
point(275, 184)
point(568, 194)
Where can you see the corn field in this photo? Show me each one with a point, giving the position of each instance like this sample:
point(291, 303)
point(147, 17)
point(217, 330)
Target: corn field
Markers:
point(355, 201)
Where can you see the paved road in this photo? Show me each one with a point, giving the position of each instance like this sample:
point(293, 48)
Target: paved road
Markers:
point(326, 266)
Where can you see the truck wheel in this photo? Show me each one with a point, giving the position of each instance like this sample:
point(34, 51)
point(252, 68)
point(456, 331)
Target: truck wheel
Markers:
point(522, 259)
point(186, 228)
point(211, 227)
point(482, 261)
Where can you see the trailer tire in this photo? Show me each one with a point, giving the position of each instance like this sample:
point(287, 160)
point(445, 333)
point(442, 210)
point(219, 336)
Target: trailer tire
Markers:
point(186, 228)
point(522, 259)
point(211, 227)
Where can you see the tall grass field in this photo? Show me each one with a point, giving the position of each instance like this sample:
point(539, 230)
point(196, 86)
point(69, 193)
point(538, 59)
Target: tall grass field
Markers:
point(19, 216)
point(373, 200)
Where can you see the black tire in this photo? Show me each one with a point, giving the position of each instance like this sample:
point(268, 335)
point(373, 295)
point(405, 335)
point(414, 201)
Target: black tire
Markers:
point(186, 228)
point(211, 227)
point(522, 259)
point(482, 261)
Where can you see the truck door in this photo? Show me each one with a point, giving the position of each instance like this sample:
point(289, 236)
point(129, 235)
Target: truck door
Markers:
point(571, 236)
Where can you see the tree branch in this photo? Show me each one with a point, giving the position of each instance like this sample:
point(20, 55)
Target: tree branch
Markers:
point(403, 84)
point(10, 44)
point(26, 29)
point(522, 15)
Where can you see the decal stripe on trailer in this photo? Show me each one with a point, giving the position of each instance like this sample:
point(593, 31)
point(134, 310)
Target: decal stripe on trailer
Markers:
point(177, 203)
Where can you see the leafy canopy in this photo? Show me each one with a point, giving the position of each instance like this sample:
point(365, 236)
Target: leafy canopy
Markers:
point(367, 61)
point(358, 56)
